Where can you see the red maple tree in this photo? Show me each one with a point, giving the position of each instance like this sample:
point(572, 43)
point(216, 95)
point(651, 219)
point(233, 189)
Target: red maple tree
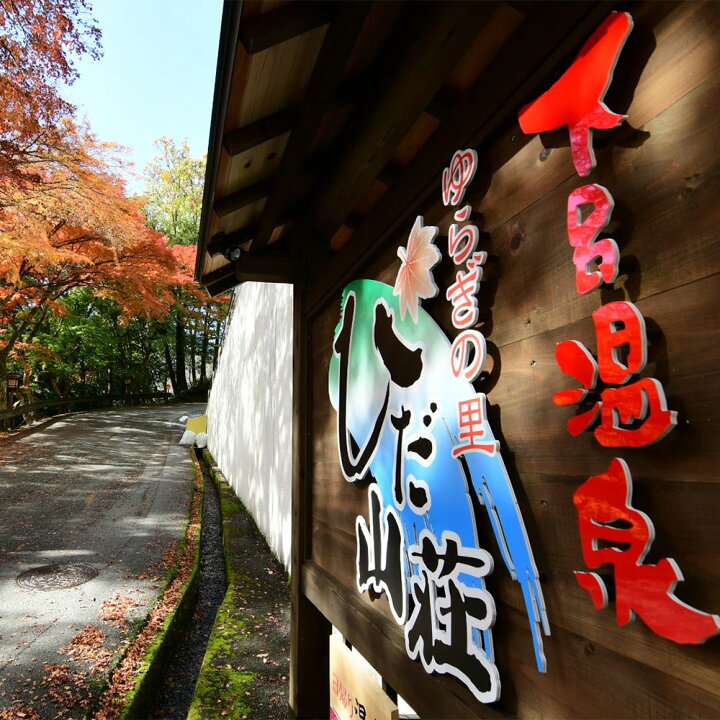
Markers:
point(73, 226)
point(38, 41)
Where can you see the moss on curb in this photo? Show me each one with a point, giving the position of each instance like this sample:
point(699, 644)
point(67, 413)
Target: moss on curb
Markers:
point(139, 700)
point(235, 679)
point(218, 685)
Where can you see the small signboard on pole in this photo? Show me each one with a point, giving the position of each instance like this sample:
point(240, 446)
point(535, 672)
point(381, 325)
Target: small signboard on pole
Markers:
point(354, 693)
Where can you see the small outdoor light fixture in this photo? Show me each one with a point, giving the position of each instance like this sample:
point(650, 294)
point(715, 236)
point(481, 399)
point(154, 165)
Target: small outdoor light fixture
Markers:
point(231, 247)
point(13, 381)
point(234, 253)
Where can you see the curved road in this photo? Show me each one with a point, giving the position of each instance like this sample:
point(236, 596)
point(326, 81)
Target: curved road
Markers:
point(106, 489)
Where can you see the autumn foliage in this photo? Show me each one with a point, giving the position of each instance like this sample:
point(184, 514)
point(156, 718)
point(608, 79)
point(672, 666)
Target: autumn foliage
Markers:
point(72, 226)
point(66, 223)
point(38, 41)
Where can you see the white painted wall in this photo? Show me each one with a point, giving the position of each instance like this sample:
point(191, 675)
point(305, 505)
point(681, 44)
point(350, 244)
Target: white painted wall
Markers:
point(250, 408)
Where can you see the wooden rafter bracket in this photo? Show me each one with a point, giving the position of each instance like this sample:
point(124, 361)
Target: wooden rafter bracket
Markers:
point(542, 43)
point(411, 80)
point(254, 268)
point(269, 268)
point(286, 22)
point(249, 136)
point(336, 48)
point(262, 188)
point(229, 32)
point(222, 242)
point(220, 280)
point(260, 131)
point(278, 123)
point(243, 197)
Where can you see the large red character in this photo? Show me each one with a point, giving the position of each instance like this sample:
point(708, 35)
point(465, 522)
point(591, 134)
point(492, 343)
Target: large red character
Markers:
point(576, 99)
point(583, 236)
point(622, 353)
point(472, 425)
point(606, 515)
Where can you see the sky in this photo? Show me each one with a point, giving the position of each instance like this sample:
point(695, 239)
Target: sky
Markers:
point(156, 76)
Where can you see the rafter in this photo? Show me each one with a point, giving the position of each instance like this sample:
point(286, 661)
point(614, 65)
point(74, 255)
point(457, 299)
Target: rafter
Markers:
point(245, 138)
point(540, 45)
point(337, 46)
point(288, 21)
point(220, 280)
point(251, 268)
point(267, 128)
point(243, 197)
point(417, 62)
point(222, 242)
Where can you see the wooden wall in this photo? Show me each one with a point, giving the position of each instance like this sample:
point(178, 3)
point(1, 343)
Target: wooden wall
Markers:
point(663, 170)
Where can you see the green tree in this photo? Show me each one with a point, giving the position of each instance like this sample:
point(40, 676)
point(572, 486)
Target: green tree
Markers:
point(173, 198)
point(88, 349)
point(73, 227)
point(173, 202)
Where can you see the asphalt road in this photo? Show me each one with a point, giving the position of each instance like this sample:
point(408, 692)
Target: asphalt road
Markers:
point(105, 492)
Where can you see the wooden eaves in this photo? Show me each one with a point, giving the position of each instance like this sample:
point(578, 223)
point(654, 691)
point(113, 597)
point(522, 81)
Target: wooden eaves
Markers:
point(331, 122)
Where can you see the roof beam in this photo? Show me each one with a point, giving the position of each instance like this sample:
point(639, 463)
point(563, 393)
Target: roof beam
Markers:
point(439, 106)
point(243, 197)
point(288, 21)
point(262, 188)
point(272, 126)
point(415, 67)
point(540, 46)
point(261, 268)
point(229, 30)
point(220, 280)
point(260, 131)
point(336, 48)
point(268, 268)
point(247, 137)
point(222, 242)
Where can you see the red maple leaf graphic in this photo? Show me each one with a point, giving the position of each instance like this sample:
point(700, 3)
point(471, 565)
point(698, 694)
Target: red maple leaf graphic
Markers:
point(414, 279)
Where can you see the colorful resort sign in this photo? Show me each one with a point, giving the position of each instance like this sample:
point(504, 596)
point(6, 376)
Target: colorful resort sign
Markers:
point(412, 426)
point(411, 423)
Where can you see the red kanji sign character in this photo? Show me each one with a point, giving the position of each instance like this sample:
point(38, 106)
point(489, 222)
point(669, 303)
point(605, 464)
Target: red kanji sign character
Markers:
point(575, 359)
point(576, 99)
point(642, 400)
point(471, 421)
point(462, 293)
point(631, 416)
point(620, 325)
point(458, 176)
point(583, 234)
point(462, 242)
point(467, 355)
point(605, 514)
